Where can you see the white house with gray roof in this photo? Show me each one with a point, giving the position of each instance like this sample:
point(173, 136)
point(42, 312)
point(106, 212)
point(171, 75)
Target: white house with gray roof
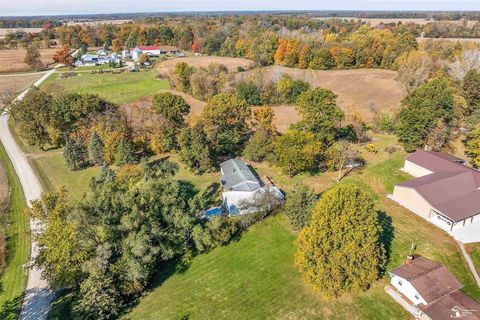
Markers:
point(241, 184)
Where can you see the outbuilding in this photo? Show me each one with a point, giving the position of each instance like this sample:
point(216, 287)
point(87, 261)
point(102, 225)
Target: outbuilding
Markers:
point(445, 191)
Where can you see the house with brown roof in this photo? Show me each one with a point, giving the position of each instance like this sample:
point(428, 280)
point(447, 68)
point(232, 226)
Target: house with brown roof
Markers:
point(445, 191)
point(431, 290)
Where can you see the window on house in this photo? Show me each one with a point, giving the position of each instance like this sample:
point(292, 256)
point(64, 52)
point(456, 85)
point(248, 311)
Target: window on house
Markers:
point(399, 282)
point(417, 297)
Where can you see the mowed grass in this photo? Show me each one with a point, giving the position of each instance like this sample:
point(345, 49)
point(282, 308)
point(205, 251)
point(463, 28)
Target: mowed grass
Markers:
point(118, 88)
point(14, 277)
point(53, 173)
point(254, 278)
point(474, 250)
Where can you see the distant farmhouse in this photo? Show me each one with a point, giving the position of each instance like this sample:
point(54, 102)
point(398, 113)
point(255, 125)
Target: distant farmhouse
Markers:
point(240, 185)
point(151, 51)
point(97, 59)
point(428, 290)
point(445, 192)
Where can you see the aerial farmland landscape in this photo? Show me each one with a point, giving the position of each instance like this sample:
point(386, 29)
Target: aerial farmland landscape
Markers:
point(227, 160)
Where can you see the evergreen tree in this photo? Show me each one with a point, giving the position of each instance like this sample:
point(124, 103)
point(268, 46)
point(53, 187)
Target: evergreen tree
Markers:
point(106, 174)
point(340, 251)
point(75, 154)
point(299, 206)
point(95, 149)
point(125, 153)
point(471, 89)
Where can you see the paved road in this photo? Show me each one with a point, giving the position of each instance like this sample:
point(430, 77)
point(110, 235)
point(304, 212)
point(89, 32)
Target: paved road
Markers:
point(37, 293)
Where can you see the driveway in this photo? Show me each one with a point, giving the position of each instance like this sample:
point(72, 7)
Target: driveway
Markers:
point(37, 292)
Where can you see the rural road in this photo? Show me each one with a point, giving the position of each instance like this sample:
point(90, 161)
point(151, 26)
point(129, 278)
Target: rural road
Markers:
point(37, 292)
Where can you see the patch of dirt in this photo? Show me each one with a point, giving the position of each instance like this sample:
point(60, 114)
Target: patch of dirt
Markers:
point(11, 60)
point(357, 90)
point(166, 67)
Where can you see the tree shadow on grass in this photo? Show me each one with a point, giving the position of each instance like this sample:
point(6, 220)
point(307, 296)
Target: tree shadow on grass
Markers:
point(10, 310)
point(386, 237)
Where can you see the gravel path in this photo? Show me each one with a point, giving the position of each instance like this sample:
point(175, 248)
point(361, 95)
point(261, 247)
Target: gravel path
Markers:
point(469, 262)
point(37, 292)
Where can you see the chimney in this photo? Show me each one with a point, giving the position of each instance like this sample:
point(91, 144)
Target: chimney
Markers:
point(409, 259)
point(427, 148)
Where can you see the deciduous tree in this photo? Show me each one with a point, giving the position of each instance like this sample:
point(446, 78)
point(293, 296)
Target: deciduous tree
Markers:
point(297, 151)
point(32, 58)
point(340, 251)
point(320, 114)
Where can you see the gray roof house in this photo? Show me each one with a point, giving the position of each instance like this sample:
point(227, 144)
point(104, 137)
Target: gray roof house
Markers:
point(237, 176)
point(240, 184)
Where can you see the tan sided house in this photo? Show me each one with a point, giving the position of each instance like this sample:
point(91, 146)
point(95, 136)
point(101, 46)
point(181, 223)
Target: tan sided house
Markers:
point(445, 191)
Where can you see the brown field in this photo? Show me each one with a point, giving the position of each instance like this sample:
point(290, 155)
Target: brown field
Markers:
point(12, 60)
point(196, 106)
point(284, 115)
point(376, 21)
point(95, 23)
point(166, 67)
point(5, 31)
point(357, 90)
point(462, 40)
point(10, 84)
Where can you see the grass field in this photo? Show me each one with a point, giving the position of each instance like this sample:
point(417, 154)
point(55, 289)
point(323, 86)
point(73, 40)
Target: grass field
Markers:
point(11, 60)
point(474, 250)
point(118, 88)
point(254, 278)
point(14, 278)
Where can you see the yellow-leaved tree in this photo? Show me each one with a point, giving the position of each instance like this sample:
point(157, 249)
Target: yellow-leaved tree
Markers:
point(341, 250)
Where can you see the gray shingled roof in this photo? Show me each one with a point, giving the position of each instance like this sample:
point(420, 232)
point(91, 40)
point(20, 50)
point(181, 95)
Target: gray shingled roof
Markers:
point(237, 176)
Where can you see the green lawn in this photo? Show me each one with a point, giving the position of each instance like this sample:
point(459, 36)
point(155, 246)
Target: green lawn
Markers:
point(53, 173)
point(14, 278)
point(118, 88)
point(473, 250)
point(254, 278)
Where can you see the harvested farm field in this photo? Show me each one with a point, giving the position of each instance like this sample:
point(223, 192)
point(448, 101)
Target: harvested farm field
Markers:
point(11, 60)
point(357, 90)
point(5, 31)
point(420, 21)
point(167, 66)
point(13, 83)
point(284, 115)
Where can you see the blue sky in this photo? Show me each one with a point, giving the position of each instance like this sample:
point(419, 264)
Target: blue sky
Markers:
point(44, 7)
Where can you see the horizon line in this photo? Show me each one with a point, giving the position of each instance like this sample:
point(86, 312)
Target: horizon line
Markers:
point(233, 11)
